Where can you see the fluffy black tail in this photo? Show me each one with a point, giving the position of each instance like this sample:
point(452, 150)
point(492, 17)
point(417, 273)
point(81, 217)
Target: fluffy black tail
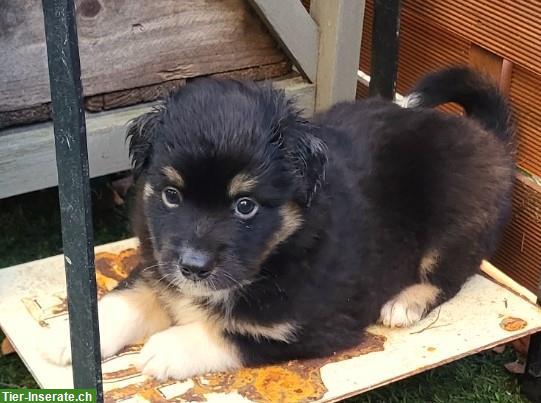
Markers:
point(478, 96)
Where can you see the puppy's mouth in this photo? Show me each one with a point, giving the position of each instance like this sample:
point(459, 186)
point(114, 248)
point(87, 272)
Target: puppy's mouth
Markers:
point(216, 280)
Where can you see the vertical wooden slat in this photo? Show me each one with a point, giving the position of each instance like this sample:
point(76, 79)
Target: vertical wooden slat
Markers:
point(340, 25)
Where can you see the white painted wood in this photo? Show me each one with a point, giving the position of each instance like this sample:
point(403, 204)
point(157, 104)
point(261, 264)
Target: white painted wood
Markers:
point(27, 155)
point(294, 29)
point(364, 79)
point(340, 25)
point(469, 323)
point(501, 278)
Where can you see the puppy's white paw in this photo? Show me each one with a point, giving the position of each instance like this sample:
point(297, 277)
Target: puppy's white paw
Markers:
point(409, 306)
point(55, 344)
point(400, 313)
point(184, 351)
point(163, 356)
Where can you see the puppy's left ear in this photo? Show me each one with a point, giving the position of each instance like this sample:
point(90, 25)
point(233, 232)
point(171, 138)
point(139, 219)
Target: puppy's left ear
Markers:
point(141, 135)
point(308, 154)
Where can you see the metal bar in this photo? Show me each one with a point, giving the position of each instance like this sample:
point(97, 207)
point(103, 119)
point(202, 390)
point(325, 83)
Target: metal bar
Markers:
point(385, 34)
point(74, 190)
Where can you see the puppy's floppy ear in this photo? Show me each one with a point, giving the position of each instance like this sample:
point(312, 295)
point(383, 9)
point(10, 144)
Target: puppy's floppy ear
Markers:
point(308, 153)
point(141, 134)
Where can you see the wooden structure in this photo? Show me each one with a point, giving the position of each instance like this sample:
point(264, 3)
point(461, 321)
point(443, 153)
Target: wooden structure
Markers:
point(135, 56)
point(163, 47)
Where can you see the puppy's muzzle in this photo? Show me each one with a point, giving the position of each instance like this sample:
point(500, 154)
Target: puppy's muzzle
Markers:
point(195, 264)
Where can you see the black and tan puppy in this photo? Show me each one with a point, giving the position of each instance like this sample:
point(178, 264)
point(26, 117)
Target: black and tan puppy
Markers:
point(266, 237)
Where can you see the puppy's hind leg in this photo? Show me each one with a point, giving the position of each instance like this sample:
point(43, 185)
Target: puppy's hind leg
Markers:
point(126, 316)
point(440, 278)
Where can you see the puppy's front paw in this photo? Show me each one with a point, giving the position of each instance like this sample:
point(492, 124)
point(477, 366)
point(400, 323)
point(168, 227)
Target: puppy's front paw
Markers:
point(55, 344)
point(163, 356)
point(184, 351)
point(409, 306)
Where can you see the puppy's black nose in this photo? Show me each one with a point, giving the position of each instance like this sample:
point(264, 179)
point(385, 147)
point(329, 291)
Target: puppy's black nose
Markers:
point(195, 264)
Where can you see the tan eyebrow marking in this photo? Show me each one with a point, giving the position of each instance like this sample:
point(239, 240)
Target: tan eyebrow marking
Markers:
point(173, 175)
point(241, 183)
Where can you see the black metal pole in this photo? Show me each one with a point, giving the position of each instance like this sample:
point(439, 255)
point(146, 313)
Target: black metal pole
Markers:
point(385, 33)
point(74, 190)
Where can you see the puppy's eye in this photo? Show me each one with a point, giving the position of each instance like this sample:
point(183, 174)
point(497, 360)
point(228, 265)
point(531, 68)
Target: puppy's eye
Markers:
point(246, 207)
point(171, 197)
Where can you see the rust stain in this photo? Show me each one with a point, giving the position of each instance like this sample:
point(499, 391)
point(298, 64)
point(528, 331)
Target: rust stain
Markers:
point(512, 324)
point(61, 307)
point(120, 374)
point(129, 258)
point(147, 389)
point(112, 268)
point(431, 349)
point(294, 381)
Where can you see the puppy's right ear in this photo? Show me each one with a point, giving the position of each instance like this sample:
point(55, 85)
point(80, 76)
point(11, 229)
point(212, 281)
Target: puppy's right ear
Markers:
point(141, 134)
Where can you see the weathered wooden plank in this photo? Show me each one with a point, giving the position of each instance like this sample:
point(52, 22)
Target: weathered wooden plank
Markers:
point(258, 73)
point(294, 29)
point(132, 96)
point(130, 44)
point(27, 161)
point(153, 92)
point(39, 113)
point(340, 27)
point(117, 99)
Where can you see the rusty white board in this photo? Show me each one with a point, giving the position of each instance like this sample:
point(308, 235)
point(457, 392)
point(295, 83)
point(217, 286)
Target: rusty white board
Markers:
point(483, 315)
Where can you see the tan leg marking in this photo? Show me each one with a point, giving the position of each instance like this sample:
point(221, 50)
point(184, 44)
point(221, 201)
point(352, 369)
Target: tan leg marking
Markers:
point(428, 264)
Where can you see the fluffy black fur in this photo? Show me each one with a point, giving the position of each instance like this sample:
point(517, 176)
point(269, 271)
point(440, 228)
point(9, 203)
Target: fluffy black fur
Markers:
point(372, 187)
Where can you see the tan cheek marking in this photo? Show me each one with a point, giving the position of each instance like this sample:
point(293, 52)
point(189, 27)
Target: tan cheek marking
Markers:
point(174, 176)
point(241, 183)
point(148, 191)
point(291, 222)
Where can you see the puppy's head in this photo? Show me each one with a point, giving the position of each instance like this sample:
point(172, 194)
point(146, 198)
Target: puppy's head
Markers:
point(227, 170)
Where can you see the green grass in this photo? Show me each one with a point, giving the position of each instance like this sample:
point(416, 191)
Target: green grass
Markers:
point(31, 230)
